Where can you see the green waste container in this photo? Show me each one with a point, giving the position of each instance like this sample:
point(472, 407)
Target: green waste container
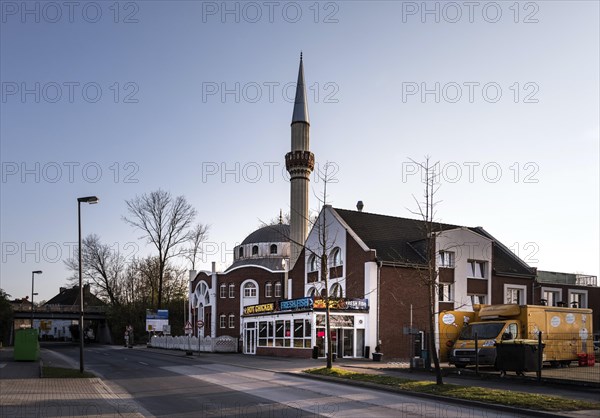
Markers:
point(518, 356)
point(27, 346)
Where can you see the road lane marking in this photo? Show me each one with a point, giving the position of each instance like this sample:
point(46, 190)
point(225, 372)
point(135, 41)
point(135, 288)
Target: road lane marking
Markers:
point(2, 365)
point(145, 364)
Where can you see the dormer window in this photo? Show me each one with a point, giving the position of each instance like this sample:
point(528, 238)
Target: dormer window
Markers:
point(255, 250)
point(273, 249)
point(240, 252)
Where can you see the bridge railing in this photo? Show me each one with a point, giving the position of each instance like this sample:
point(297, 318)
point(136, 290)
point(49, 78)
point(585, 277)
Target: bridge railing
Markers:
point(61, 309)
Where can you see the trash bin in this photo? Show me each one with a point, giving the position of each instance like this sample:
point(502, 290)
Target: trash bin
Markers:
point(582, 359)
point(27, 346)
point(518, 356)
point(377, 356)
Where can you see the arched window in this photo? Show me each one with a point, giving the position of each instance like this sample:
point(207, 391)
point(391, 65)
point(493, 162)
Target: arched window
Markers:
point(250, 290)
point(311, 292)
point(268, 290)
point(240, 252)
point(273, 249)
point(223, 291)
point(278, 289)
point(336, 257)
point(202, 295)
point(231, 321)
point(324, 293)
point(255, 250)
point(336, 291)
point(312, 263)
point(222, 321)
point(231, 290)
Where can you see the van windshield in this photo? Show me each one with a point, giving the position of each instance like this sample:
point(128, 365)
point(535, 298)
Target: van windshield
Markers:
point(483, 331)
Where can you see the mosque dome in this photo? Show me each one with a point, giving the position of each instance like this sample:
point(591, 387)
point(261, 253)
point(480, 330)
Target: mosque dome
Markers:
point(265, 247)
point(269, 233)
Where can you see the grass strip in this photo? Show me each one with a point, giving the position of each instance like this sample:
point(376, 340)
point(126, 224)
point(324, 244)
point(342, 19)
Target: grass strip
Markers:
point(515, 399)
point(64, 373)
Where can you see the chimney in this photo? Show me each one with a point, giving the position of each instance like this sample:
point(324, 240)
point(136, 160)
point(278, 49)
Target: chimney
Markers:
point(61, 289)
point(360, 205)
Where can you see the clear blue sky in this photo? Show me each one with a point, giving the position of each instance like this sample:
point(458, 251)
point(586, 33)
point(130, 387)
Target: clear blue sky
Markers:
point(510, 109)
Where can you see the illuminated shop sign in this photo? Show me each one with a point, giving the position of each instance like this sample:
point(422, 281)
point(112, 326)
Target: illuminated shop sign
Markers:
point(343, 304)
point(295, 304)
point(255, 309)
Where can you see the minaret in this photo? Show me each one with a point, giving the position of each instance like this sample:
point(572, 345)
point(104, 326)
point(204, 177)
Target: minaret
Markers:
point(299, 162)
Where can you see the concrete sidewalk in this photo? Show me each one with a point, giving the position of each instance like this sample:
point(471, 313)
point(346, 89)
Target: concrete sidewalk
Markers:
point(24, 393)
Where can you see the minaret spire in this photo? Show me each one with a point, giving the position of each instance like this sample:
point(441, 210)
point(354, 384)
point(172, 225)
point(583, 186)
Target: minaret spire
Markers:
point(300, 163)
point(300, 113)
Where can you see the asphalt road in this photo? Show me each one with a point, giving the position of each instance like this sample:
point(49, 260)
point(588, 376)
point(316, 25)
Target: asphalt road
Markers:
point(211, 386)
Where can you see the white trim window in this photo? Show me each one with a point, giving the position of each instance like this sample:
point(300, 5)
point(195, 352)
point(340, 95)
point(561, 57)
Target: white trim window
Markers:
point(223, 291)
point(552, 295)
point(514, 293)
point(446, 259)
point(336, 291)
point(336, 257)
point(269, 290)
point(446, 292)
point(231, 321)
point(250, 290)
point(222, 321)
point(312, 263)
point(476, 269)
point(578, 298)
point(277, 289)
point(312, 291)
point(478, 299)
point(231, 290)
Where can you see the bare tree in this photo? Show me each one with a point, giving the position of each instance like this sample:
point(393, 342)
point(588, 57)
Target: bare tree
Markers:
point(426, 210)
point(325, 243)
point(102, 266)
point(196, 237)
point(165, 222)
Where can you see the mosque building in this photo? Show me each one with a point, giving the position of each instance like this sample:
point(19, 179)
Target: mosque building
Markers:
point(272, 297)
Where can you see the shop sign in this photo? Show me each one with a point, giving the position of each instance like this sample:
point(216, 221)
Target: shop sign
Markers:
point(256, 309)
point(343, 304)
point(336, 321)
point(295, 304)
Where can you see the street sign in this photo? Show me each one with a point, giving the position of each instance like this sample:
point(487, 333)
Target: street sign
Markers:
point(188, 327)
point(200, 323)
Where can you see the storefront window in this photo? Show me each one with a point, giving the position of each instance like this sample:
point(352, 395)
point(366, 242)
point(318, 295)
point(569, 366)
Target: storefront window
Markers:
point(294, 333)
point(262, 334)
point(278, 333)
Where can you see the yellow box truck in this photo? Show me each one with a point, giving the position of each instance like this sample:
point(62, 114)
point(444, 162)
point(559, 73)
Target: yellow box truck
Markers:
point(566, 332)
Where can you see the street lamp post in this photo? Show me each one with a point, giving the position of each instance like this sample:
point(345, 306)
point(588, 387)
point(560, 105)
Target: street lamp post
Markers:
point(33, 273)
point(91, 200)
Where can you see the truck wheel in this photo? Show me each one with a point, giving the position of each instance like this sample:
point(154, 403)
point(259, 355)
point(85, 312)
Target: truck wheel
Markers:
point(460, 365)
point(555, 364)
